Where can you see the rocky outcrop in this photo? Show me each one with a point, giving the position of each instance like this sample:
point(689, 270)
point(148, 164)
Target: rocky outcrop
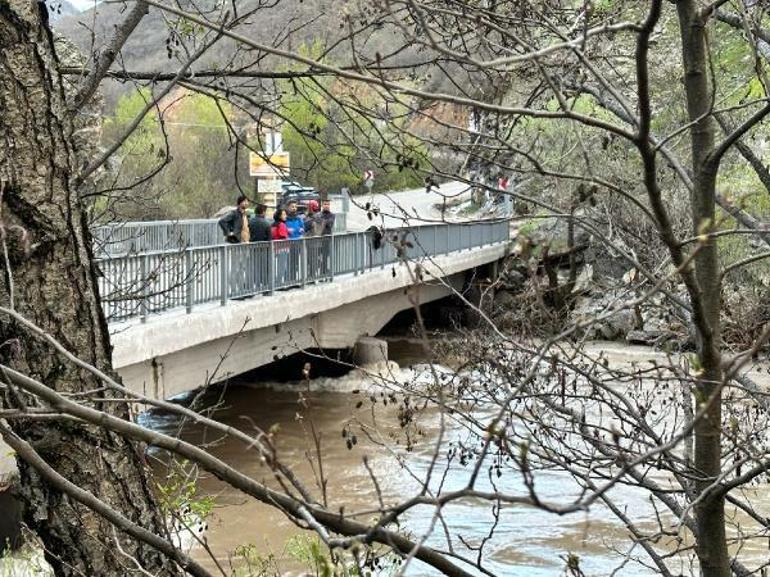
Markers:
point(602, 316)
point(598, 295)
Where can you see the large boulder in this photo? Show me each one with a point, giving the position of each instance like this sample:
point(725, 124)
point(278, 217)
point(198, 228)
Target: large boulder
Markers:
point(605, 315)
point(513, 275)
point(608, 264)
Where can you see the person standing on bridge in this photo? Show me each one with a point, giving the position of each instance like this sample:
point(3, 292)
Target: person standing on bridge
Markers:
point(296, 227)
point(280, 234)
point(235, 224)
point(294, 221)
point(278, 230)
point(326, 220)
point(327, 217)
point(313, 222)
point(314, 226)
point(259, 225)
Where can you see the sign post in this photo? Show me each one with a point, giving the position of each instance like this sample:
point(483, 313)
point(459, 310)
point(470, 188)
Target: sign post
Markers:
point(269, 168)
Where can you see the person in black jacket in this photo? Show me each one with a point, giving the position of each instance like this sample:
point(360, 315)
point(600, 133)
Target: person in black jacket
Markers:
point(259, 225)
point(235, 224)
point(328, 217)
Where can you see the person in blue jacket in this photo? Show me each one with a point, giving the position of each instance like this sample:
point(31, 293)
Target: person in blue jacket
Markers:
point(294, 221)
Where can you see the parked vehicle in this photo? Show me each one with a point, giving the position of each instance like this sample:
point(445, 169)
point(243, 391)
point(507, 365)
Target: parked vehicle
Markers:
point(302, 195)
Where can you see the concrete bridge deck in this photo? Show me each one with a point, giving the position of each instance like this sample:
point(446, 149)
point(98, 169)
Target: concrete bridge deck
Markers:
point(183, 348)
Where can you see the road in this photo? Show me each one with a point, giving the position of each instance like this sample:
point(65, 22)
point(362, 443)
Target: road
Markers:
point(404, 207)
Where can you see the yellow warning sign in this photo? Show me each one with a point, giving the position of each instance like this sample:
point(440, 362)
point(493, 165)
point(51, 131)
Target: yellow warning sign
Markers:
point(275, 165)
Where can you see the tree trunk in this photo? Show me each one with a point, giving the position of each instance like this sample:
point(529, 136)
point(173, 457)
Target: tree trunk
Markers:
point(49, 278)
point(710, 515)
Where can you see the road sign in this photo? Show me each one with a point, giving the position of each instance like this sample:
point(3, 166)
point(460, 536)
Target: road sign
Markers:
point(368, 179)
point(269, 185)
point(275, 165)
point(273, 141)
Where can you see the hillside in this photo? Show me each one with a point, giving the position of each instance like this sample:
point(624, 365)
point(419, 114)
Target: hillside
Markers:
point(289, 24)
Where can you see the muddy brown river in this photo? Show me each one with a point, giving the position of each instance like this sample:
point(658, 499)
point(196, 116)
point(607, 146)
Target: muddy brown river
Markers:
point(528, 542)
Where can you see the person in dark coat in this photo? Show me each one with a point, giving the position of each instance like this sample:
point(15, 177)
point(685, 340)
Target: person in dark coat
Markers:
point(237, 229)
point(328, 217)
point(235, 224)
point(326, 220)
point(259, 225)
point(314, 224)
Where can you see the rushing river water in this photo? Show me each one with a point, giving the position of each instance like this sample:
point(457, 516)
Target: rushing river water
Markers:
point(527, 542)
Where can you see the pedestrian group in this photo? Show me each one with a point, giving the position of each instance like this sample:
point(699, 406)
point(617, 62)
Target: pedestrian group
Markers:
point(288, 224)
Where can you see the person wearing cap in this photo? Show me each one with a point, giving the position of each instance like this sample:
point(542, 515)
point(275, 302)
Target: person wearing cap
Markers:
point(314, 225)
point(314, 228)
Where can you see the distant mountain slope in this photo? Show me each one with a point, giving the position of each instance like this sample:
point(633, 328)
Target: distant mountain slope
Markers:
point(290, 24)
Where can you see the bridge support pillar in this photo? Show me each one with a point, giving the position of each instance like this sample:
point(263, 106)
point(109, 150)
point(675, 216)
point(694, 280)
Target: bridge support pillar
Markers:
point(370, 350)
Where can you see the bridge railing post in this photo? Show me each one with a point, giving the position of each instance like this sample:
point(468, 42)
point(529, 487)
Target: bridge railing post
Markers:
point(189, 279)
point(356, 265)
point(271, 268)
point(223, 274)
point(364, 250)
point(145, 286)
point(330, 257)
point(303, 262)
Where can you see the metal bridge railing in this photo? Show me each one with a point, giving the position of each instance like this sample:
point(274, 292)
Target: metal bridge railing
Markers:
point(161, 235)
point(137, 285)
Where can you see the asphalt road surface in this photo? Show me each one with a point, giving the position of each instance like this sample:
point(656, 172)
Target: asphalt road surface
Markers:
point(407, 207)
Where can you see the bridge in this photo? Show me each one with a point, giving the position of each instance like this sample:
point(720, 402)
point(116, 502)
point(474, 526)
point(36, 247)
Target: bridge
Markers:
point(185, 316)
